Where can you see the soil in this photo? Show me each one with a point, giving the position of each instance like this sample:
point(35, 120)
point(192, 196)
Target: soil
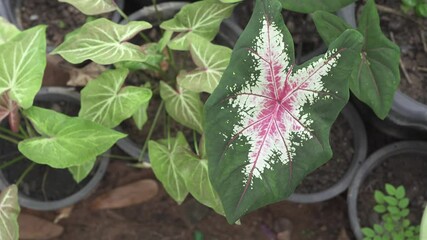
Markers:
point(407, 32)
point(396, 172)
point(61, 18)
point(161, 218)
point(341, 140)
point(308, 42)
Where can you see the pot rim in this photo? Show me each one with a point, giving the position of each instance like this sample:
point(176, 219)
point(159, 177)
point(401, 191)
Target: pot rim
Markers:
point(371, 163)
point(360, 150)
point(28, 202)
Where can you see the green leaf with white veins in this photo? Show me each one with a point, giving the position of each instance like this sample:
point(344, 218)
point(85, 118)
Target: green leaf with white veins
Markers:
point(211, 61)
point(65, 141)
point(184, 106)
point(7, 30)
point(93, 7)
point(80, 172)
point(202, 18)
point(22, 64)
point(103, 42)
point(9, 211)
point(107, 102)
point(165, 156)
point(140, 116)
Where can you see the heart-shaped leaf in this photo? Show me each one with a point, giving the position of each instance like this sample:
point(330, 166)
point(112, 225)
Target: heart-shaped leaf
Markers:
point(376, 75)
point(7, 30)
point(82, 171)
point(9, 211)
point(107, 102)
point(23, 60)
point(103, 42)
point(93, 7)
point(267, 123)
point(184, 106)
point(202, 18)
point(140, 117)
point(211, 61)
point(309, 6)
point(196, 178)
point(65, 141)
point(165, 156)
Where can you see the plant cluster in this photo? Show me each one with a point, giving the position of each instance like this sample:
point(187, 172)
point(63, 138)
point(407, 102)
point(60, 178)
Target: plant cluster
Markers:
point(264, 127)
point(417, 6)
point(393, 207)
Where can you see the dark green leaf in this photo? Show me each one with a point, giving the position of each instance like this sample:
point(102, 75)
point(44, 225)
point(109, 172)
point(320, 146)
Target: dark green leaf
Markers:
point(403, 203)
point(309, 6)
point(379, 196)
point(368, 232)
point(410, 3)
point(400, 192)
point(404, 212)
point(393, 210)
point(390, 200)
point(390, 189)
point(329, 25)
point(421, 9)
point(378, 229)
point(379, 208)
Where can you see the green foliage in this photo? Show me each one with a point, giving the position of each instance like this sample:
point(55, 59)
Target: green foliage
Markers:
point(93, 7)
point(9, 211)
point(309, 6)
point(417, 6)
point(7, 30)
point(392, 206)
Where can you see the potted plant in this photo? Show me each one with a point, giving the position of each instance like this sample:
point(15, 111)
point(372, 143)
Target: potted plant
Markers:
point(390, 165)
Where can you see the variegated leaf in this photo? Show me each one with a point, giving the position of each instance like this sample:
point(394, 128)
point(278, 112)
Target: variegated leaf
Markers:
point(93, 7)
point(9, 211)
point(103, 42)
point(164, 156)
point(80, 172)
point(65, 141)
point(267, 123)
point(107, 102)
point(202, 18)
point(211, 61)
point(184, 106)
point(140, 117)
point(22, 65)
point(7, 31)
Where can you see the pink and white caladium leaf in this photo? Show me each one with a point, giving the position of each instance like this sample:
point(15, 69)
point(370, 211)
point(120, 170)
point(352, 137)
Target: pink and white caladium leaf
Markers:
point(267, 123)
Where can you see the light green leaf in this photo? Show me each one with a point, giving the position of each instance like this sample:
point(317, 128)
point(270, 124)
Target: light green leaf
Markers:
point(140, 116)
point(423, 226)
point(211, 61)
point(65, 141)
point(22, 64)
point(103, 42)
point(196, 178)
point(7, 30)
point(107, 102)
point(231, 1)
point(82, 171)
point(184, 106)
point(400, 192)
point(93, 7)
point(164, 156)
point(154, 58)
point(9, 211)
point(202, 18)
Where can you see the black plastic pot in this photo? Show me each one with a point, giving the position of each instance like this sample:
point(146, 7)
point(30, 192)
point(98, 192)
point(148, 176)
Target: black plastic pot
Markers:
point(374, 161)
point(360, 150)
point(69, 97)
point(228, 35)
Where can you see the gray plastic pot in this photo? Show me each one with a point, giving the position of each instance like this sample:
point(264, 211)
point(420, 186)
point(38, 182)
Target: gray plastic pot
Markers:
point(228, 35)
point(368, 166)
point(61, 94)
point(360, 151)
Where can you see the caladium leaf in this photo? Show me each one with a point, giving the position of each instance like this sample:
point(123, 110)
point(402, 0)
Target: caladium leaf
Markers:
point(140, 116)
point(9, 108)
point(309, 6)
point(376, 75)
point(22, 65)
point(211, 61)
point(164, 156)
point(9, 211)
point(65, 141)
point(202, 18)
point(7, 30)
point(103, 42)
point(82, 171)
point(196, 178)
point(154, 58)
point(93, 7)
point(184, 106)
point(107, 102)
point(267, 123)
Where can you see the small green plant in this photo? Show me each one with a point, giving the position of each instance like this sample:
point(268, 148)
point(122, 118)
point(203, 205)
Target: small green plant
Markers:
point(393, 207)
point(417, 6)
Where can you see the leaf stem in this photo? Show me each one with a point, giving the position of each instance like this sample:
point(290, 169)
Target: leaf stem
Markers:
point(150, 132)
point(8, 163)
point(9, 139)
point(25, 173)
point(17, 135)
point(120, 157)
point(196, 147)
